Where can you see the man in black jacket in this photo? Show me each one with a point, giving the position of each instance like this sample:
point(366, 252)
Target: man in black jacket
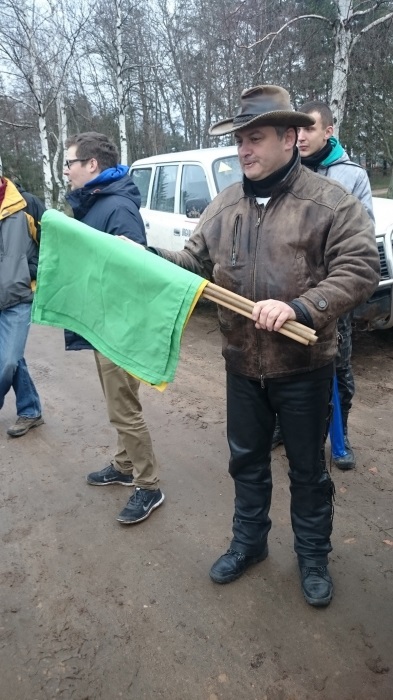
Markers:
point(104, 197)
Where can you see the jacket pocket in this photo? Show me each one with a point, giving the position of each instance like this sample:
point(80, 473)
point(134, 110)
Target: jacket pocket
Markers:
point(306, 278)
point(235, 240)
point(233, 328)
point(15, 280)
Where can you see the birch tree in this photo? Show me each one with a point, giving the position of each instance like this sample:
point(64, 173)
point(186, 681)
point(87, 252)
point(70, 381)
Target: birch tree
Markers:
point(348, 23)
point(60, 139)
point(37, 43)
point(115, 60)
point(120, 66)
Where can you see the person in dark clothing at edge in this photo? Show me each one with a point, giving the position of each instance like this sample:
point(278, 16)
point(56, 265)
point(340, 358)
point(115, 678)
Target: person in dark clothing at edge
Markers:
point(323, 154)
point(303, 249)
point(20, 216)
point(104, 196)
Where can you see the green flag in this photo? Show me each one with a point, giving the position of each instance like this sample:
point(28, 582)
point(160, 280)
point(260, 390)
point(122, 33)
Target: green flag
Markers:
point(129, 304)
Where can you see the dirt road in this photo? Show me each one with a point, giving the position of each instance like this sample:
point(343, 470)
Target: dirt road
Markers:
point(92, 610)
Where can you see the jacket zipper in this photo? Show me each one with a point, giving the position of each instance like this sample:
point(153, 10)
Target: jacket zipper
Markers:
point(261, 213)
point(235, 237)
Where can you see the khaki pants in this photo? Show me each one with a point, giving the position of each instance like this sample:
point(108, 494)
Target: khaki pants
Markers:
point(135, 453)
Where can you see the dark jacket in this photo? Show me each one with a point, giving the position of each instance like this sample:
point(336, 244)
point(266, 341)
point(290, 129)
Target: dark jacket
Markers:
point(19, 236)
point(112, 207)
point(312, 242)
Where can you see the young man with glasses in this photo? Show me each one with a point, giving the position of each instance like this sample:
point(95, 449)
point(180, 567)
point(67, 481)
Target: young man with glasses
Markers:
point(104, 197)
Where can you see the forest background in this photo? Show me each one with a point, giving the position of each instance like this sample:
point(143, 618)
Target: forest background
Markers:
point(155, 74)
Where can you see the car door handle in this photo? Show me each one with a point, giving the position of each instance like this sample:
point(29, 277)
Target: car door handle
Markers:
point(176, 231)
point(147, 225)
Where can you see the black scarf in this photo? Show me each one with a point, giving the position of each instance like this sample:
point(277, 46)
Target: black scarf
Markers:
point(264, 188)
point(314, 161)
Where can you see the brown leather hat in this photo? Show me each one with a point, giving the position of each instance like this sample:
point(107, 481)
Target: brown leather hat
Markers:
point(265, 105)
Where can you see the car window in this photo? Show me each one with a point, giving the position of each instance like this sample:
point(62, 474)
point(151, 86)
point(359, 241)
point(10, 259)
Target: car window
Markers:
point(141, 177)
point(226, 171)
point(193, 187)
point(163, 198)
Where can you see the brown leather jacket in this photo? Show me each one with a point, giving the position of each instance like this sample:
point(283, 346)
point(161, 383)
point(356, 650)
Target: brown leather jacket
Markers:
point(313, 241)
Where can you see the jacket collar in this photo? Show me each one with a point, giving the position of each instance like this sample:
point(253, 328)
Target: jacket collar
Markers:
point(12, 201)
point(282, 186)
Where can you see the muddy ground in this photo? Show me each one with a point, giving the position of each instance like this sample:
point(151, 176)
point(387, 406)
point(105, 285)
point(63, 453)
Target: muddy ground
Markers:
point(92, 610)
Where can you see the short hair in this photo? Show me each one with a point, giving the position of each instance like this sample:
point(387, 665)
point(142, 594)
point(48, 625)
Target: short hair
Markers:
point(323, 110)
point(281, 131)
point(91, 144)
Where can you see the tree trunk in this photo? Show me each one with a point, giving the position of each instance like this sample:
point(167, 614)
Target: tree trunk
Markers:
point(61, 180)
point(389, 193)
point(120, 87)
point(342, 50)
point(48, 186)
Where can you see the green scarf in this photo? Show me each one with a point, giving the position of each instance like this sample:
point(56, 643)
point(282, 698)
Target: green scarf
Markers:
point(130, 304)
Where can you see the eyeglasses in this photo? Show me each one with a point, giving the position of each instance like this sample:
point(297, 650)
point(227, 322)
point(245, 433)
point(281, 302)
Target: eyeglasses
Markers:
point(68, 163)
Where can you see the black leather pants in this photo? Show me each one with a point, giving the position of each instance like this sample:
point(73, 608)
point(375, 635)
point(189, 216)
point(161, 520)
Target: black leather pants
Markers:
point(303, 408)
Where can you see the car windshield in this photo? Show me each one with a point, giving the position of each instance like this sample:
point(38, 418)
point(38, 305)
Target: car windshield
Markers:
point(226, 171)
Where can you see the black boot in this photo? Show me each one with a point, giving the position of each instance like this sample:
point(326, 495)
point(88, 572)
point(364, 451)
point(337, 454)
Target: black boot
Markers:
point(232, 565)
point(317, 585)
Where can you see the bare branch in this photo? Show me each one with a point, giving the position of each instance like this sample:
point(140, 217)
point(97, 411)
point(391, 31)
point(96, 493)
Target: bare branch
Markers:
point(376, 22)
point(15, 99)
point(284, 26)
point(361, 13)
point(19, 126)
point(236, 10)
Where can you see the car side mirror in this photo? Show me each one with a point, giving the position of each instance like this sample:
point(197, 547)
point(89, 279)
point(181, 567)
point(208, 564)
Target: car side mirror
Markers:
point(195, 207)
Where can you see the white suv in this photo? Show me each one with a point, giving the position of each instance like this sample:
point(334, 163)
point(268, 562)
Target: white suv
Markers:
point(176, 187)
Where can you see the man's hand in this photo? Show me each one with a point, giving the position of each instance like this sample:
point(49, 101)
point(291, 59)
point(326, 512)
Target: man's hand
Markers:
point(128, 240)
point(271, 314)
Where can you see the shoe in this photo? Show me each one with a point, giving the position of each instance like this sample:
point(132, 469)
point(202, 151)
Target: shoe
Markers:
point(109, 475)
point(140, 505)
point(317, 585)
point(348, 461)
point(23, 425)
point(277, 437)
point(232, 565)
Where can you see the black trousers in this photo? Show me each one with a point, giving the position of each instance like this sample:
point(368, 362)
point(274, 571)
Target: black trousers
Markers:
point(345, 380)
point(303, 408)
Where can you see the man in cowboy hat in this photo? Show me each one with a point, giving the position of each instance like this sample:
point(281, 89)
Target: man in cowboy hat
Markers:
point(303, 249)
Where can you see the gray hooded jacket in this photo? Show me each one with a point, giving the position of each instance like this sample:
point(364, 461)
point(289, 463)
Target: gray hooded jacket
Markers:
point(353, 177)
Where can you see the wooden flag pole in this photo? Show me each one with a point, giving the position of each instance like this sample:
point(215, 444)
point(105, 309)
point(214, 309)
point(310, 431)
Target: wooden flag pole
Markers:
point(291, 329)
